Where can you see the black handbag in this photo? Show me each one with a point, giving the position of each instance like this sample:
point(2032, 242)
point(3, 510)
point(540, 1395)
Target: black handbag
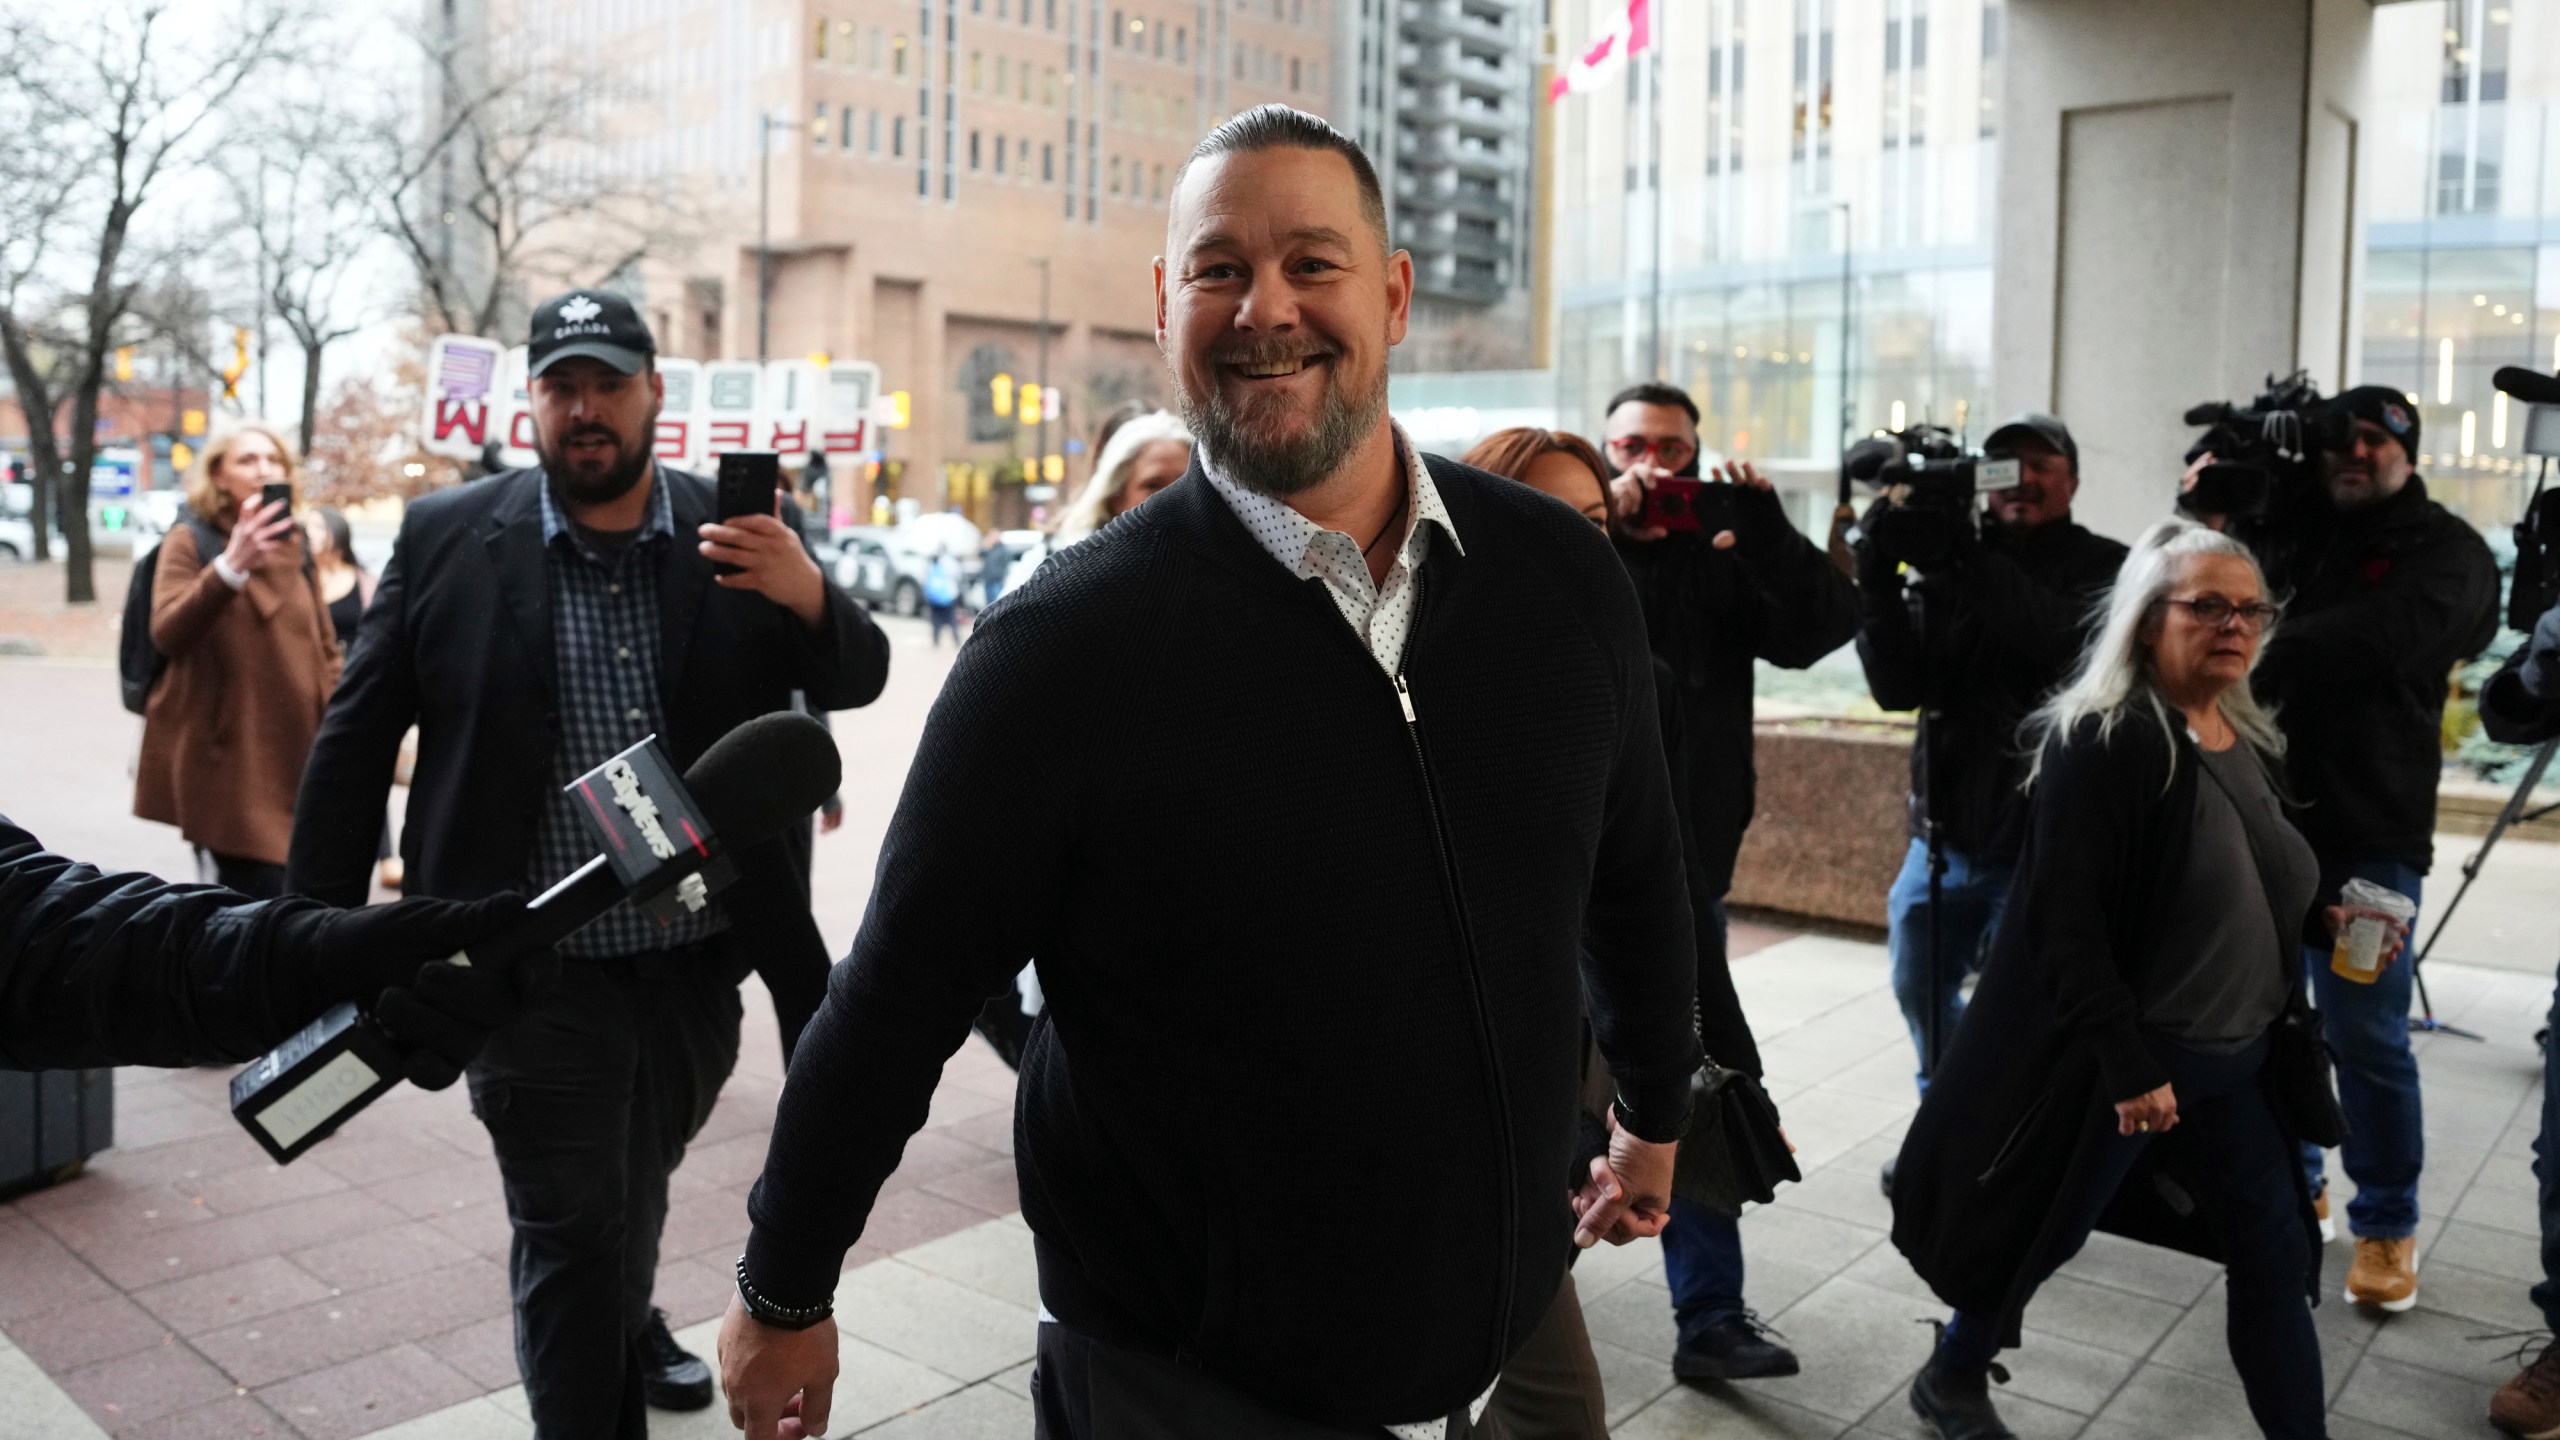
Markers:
point(2300, 1087)
point(1733, 1150)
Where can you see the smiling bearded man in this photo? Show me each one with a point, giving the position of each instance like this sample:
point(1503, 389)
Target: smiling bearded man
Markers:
point(1292, 1136)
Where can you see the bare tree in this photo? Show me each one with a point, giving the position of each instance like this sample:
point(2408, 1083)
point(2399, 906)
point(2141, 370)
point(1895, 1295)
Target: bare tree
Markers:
point(510, 177)
point(40, 176)
point(303, 191)
point(139, 109)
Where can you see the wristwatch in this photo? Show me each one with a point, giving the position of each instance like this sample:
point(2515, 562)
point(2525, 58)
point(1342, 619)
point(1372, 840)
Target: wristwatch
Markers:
point(780, 1317)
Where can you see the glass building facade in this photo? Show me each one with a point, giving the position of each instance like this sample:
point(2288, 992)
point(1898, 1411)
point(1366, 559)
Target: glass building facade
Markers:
point(1787, 210)
point(2462, 252)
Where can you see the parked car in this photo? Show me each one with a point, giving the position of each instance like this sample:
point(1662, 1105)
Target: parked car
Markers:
point(17, 539)
point(869, 573)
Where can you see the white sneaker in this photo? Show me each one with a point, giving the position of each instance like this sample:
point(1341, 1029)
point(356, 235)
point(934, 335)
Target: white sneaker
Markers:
point(2320, 1209)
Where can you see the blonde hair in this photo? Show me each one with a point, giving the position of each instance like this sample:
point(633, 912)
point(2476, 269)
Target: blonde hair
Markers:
point(205, 494)
point(2113, 678)
point(1091, 509)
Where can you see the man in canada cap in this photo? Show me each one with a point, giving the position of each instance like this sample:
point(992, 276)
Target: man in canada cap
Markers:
point(531, 627)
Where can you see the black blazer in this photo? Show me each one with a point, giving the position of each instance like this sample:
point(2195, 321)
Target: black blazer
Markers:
point(458, 641)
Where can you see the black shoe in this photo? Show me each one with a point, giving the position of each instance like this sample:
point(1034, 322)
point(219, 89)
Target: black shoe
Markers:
point(671, 1377)
point(1956, 1404)
point(1735, 1349)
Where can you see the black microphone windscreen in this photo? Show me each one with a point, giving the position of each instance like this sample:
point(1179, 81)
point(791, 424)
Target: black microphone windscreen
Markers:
point(2531, 386)
point(764, 775)
point(2211, 412)
point(1868, 458)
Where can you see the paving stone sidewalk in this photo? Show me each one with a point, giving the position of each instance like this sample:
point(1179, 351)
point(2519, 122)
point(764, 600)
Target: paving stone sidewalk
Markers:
point(160, 1316)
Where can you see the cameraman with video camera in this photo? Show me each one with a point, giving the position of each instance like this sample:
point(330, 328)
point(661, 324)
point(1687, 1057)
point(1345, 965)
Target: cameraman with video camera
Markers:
point(2007, 600)
point(1725, 580)
point(2389, 591)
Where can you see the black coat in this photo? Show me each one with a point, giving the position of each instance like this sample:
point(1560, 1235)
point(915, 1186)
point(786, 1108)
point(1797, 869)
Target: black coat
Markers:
point(458, 641)
point(1709, 614)
point(2016, 615)
point(1303, 955)
point(2521, 703)
point(2024, 1099)
point(102, 968)
point(2383, 603)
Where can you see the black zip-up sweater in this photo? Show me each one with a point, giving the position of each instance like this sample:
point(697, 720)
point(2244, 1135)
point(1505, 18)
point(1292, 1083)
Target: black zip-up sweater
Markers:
point(1310, 1069)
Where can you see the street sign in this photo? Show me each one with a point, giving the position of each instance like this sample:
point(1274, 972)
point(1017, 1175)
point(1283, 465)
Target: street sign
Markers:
point(463, 407)
point(680, 416)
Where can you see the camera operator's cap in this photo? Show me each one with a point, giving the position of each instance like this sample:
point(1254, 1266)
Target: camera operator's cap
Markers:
point(2044, 428)
point(2381, 405)
point(597, 324)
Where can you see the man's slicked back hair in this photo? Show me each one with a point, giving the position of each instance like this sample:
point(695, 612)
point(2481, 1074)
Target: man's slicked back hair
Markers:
point(1275, 126)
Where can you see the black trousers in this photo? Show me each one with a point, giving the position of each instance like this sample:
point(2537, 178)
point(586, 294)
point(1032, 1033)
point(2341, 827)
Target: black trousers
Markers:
point(1088, 1389)
point(254, 878)
point(589, 1100)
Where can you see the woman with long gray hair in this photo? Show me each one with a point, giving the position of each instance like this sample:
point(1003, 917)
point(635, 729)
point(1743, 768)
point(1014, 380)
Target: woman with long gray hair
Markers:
point(2138, 1056)
point(1147, 452)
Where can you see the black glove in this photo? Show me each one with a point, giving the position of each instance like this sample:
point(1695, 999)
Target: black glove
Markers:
point(395, 962)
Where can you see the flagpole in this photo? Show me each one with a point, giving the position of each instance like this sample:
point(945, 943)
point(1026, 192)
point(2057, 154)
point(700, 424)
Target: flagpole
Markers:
point(1653, 166)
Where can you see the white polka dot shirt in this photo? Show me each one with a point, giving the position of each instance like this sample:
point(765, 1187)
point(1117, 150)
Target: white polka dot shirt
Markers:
point(1381, 615)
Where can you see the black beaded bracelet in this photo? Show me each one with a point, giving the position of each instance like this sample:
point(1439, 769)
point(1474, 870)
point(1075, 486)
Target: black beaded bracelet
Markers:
point(780, 1317)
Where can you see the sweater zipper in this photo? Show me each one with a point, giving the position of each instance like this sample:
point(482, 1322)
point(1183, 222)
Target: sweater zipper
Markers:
point(1456, 898)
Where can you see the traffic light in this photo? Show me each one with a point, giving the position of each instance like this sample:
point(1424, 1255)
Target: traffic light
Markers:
point(239, 365)
point(191, 422)
point(124, 363)
point(182, 456)
point(1032, 397)
point(1053, 468)
point(901, 409)
point(1000, 389)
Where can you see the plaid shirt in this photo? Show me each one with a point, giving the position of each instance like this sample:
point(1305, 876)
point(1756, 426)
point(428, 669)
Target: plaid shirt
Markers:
point(604, 617)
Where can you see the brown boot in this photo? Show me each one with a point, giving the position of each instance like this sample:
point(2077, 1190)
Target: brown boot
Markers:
point(2529, 1404)
point(2385, 1275)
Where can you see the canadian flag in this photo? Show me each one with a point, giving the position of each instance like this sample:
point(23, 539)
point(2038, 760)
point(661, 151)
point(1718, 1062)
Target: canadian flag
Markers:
point(1629, 35)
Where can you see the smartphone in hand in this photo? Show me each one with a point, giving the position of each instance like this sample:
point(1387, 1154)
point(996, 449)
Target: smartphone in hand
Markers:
point(750, 484)
point(277, 497)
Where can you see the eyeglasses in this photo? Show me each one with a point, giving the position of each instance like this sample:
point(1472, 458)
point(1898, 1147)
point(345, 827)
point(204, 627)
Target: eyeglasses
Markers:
point(2214, 612)
point(1673, 453)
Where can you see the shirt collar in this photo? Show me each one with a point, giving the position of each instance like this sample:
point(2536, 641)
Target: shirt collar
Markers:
point(661, 521)
point(1285, 534)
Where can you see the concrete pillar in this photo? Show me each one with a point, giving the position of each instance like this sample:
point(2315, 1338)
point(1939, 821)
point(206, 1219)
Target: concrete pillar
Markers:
point(2179, 217)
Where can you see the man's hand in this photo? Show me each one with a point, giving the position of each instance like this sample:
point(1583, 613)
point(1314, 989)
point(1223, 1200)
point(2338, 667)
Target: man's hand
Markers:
point(780, 1383)
point(1626, 500)
point(771, 562)
point(1629, 1194)
point(2151, 1113)
point(2187, 485)
point(396, 961)
point(2395, 936)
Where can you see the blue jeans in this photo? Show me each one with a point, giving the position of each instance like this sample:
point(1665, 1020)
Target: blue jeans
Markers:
point(2368, 1032)
point(1971, 897)
point(1702, 1249)
point(1702, 1262)
point(2546, 1174)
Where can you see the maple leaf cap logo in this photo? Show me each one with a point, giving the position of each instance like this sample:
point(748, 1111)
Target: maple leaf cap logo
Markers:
point(579, 310)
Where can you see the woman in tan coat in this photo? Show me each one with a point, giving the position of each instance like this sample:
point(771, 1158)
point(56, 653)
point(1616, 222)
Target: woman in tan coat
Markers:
point(251, 663)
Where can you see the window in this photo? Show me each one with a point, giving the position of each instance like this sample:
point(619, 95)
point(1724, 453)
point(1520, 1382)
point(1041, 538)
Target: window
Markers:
point(1159, 39)
point(872, 125)
point(1115, 174)
point(1155, 183)
point(1051, 11)
point(977, 71)
point(879, 50)
point(821, 38)
point(1048, 164)
point(898, 137)
point(973, 149)
point(1049, 87)
point(1293, 73)
point(1115, 100)
point(818, 127)
point(999, 145)
point(898, 56)
point(1182, 44)
point(1118, 28)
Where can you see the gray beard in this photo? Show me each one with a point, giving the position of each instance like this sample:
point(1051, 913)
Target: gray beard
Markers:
point(1226, 435)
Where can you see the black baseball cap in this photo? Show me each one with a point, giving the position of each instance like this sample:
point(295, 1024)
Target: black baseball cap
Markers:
point(2036, 425)
point(2387, 408)
point(597, 324)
